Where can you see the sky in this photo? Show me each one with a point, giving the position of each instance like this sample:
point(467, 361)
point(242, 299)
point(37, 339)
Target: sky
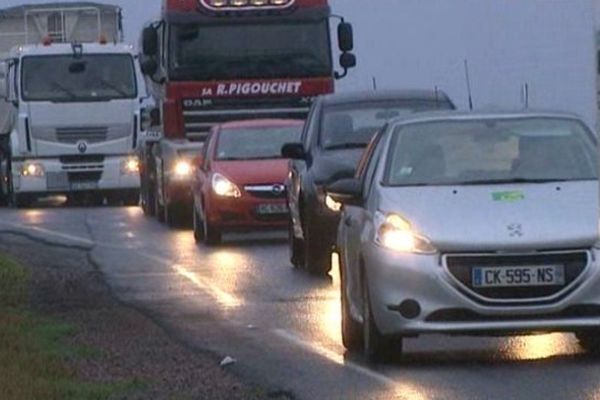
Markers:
point(424, 43)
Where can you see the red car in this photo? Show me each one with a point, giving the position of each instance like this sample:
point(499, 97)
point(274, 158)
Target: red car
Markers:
point(239, 178)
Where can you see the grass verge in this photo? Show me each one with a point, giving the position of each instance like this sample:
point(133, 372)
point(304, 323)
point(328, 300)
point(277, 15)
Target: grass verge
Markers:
point(34, 354)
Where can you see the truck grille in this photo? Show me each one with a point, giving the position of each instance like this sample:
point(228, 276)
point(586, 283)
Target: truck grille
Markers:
point(199, 120)
point(88, 134)
point(461, 268)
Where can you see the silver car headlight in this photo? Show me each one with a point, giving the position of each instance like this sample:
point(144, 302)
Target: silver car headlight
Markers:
point(396, 233)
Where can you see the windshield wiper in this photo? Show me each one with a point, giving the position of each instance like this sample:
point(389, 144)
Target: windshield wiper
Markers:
point(64, 89)
point(114, 87)
point(509, 181)
point(343, 146)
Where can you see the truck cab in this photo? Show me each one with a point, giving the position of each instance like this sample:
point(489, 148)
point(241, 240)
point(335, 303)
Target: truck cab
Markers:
point(75, 121)
point(212, 61)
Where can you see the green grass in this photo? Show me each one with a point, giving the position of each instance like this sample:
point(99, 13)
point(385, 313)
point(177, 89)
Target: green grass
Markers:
point(34, 352)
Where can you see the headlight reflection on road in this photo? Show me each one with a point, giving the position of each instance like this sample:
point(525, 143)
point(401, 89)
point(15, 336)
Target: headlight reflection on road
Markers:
point(540, 347)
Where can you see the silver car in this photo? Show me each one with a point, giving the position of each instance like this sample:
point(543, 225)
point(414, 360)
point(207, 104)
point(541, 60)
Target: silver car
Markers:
point(471, 224)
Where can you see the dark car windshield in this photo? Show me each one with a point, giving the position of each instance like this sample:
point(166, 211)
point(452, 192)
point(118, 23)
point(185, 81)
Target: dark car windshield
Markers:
point(256, 142)
point(487, 152)
point(64, 78)
point(353, 125)
point(267, 50)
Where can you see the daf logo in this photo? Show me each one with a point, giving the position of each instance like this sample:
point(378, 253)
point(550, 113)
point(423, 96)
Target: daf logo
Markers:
point(278, 189)
point(82, 147)
point(515, 230)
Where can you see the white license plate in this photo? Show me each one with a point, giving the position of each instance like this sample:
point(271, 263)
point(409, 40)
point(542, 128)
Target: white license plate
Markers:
point(536, 275)
point(84, 185)
point(272, 209)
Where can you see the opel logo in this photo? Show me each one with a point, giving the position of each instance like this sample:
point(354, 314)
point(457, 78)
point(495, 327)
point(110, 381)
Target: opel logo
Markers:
point(82, 147)
point(278, 189)
point(515, 230)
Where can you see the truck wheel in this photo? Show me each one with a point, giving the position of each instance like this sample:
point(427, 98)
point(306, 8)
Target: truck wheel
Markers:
point(158, 210)
point(296, 247)
point(212, 235)
point(148, 202)
point(352, 334)
point(198, 226)
point(376, 347)
point(317, 254)
point(173, 215)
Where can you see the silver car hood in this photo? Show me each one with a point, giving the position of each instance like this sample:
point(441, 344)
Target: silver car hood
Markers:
point(520, 217)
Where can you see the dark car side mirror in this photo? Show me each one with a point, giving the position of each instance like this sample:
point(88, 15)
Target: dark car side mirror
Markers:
point(294, 151)
point(346, 191)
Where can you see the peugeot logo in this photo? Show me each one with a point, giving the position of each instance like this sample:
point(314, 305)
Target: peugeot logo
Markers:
point(515, 230)
point(82, 147)
point(278, 189)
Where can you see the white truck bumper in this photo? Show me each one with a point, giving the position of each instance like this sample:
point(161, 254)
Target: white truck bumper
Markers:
point(61, 178)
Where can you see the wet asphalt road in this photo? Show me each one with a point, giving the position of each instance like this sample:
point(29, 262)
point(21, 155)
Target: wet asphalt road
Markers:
point(244, 300)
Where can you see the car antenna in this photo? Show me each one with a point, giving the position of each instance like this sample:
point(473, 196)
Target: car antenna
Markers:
point(374, 80)
point(468, 78)
point(437, 96)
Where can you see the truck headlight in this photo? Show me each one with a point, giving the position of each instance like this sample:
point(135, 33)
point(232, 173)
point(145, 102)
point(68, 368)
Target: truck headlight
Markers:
point(396, 233)
point(224, 187)
point(182, 169)
point(35, 170)
point(130, 166)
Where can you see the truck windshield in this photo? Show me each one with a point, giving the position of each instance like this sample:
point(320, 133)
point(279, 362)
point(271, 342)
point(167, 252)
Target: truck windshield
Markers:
point(64, 78)
point(273, 50)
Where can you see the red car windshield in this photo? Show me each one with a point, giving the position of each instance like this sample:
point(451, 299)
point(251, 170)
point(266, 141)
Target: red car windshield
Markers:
point(255, 143)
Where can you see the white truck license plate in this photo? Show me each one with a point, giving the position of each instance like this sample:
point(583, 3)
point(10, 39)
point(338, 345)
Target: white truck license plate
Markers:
point(535, 275)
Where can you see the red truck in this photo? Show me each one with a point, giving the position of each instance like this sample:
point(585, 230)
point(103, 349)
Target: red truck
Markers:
point(213, 61)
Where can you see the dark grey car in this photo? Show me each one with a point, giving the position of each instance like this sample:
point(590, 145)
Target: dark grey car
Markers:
point(338, 129)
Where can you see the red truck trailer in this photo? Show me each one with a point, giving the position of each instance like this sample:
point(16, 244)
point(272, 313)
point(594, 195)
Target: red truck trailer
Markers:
point(213, 61)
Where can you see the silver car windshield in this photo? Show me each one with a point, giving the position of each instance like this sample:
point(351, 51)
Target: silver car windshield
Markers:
point(491, 151)
point(255, 143)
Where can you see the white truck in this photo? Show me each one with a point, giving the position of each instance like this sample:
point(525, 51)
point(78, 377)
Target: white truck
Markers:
point(73, 108)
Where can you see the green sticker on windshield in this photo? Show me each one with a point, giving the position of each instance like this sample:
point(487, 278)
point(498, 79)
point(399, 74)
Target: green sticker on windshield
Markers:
point(508, 196)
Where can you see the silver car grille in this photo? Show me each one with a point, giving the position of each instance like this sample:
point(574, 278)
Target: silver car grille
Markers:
point(460, 267)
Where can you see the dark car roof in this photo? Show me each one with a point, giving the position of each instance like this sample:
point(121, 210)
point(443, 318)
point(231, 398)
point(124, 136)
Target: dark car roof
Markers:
point(369, 96)
point(257, 123)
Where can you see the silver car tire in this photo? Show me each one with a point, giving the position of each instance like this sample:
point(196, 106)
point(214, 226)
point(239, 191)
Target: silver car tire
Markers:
point(376, 347)
point(352, 331)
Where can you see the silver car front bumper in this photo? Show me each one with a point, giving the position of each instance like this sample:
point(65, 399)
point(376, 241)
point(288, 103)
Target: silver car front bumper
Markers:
point(395, 278)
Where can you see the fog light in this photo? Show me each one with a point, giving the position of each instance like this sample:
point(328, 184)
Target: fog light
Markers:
point(183, 169)
point(131, 166)
point(332, 204)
